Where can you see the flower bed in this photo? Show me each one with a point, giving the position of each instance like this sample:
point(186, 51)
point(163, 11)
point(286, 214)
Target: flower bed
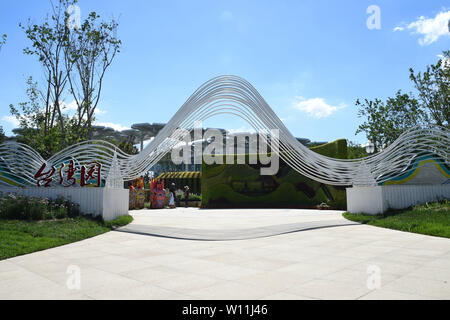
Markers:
point(20, 207)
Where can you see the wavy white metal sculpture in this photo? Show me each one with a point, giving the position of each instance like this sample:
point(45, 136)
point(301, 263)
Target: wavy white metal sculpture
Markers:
point(234, 95)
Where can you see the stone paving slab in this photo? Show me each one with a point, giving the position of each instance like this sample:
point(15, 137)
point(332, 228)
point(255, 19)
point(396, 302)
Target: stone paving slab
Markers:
point(318, 263)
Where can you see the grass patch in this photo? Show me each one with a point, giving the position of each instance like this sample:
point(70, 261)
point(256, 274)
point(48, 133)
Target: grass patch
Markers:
point(18, 237)
point(118, 222)
point(431, 219)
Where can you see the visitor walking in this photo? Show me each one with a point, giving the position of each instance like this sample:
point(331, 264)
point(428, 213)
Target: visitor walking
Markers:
point(186, 195)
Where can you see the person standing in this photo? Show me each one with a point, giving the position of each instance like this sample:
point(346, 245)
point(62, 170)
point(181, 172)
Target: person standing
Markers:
point(172, 196)
point(186, 195)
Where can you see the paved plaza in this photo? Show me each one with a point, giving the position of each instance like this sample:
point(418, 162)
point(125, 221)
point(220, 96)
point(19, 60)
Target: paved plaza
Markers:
point(266, 254)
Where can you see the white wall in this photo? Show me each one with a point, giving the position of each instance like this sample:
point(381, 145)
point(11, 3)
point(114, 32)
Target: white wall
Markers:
point(108, 202)
point(115, 203)
point(378, 199)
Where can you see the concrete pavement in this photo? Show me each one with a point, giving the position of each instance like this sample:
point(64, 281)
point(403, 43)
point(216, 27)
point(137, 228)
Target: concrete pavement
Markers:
point(341, 262)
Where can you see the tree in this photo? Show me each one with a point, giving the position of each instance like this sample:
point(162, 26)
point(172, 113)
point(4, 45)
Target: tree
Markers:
point(48, 43)
point(376, 114)
point(71, 58)
point(386, 121)
point(91, 49)
point(33, 124)
point(124, 141)
point(3, 41)
point(2, 135)
point(355, 150)
point(433, 87)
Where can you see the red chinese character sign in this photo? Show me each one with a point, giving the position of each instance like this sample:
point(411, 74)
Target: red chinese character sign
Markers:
point(44, 177)
point(68, 174)
point(92, 171)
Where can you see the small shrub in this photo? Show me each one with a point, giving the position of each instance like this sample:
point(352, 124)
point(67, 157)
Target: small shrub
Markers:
point(60, 212)
point(192, 197)
point(73, 209)
point(19, 207)
point(60, 200)
point(37, 210)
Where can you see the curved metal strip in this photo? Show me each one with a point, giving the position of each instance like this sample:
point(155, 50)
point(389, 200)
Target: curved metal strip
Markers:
point(233, 95)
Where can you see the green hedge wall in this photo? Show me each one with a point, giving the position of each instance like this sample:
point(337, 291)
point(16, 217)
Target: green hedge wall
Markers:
point(336, 149)
point(241, 185)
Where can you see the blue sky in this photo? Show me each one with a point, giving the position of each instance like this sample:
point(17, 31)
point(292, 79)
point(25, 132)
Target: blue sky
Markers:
point(310, 60)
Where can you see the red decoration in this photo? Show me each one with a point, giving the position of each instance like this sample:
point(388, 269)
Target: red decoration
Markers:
point(90, 171)
point(157, 193)
point(95, 167)
point(70, 173)
point(44, 176)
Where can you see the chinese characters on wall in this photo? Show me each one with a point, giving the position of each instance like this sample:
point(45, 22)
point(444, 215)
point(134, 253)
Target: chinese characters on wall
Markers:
point(66, 175)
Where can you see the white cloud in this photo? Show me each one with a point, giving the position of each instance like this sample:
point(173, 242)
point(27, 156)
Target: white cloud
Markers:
point(445, 64)
point(431, 29)
point(99, 111)
point(72, 106)
point(12, 120)
point(115, 126)
point(241, 130)
point(316, 107)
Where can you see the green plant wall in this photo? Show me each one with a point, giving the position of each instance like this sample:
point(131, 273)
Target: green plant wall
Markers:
point(242, 186)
